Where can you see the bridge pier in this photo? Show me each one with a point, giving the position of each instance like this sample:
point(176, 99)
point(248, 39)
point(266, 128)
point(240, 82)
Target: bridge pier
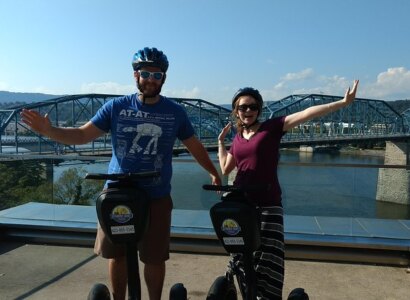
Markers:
point(304, 148)
point(394, 184)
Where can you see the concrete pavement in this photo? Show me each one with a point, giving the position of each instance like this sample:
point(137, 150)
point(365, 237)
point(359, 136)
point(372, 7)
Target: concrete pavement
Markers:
point(31, 271)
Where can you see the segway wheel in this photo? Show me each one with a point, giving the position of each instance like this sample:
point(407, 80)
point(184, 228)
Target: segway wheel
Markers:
point(99, 292)
point(178, 292)
point(298, 294)
point(222, 289)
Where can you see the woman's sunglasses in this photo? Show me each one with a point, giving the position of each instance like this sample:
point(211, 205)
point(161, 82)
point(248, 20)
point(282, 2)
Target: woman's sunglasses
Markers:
point(244, 107)
point(155, 75)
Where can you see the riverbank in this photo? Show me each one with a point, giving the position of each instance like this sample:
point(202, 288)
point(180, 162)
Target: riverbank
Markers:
point(345, 150)
point(367, 152)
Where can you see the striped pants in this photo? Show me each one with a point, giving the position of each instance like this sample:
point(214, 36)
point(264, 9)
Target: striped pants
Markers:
point(269, 259)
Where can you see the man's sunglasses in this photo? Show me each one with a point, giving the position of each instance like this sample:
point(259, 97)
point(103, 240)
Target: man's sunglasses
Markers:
point(252, 107)
point(155, 75)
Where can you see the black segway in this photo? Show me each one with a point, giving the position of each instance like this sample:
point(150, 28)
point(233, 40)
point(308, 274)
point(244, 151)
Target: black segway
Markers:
point(236, 222)
point(122, 211)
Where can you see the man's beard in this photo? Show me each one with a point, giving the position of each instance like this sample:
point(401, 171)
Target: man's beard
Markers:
point(150, 92)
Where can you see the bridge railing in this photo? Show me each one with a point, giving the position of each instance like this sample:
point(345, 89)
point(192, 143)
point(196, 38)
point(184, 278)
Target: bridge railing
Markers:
point(313, 184)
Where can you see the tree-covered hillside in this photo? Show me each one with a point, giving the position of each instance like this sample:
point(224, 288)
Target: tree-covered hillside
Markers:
point(9, 99)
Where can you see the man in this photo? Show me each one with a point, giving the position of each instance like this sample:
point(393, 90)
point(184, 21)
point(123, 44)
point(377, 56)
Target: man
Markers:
point(143, 130)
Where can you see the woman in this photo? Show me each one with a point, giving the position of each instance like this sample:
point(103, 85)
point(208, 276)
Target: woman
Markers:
point(255, 154)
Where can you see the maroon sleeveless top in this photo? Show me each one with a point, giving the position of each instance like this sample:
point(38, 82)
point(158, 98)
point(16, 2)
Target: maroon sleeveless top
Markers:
point(257, 161)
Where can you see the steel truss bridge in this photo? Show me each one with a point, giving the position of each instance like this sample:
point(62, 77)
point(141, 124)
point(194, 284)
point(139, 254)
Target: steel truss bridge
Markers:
point(364, 120)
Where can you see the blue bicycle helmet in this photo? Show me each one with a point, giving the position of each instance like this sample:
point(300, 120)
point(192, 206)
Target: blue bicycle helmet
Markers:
point(250, 92)
point(150, 57)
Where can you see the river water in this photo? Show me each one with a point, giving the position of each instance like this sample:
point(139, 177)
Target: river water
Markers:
point(306, 190)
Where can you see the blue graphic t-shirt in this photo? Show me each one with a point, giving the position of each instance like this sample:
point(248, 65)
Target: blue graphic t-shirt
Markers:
point(143, 137)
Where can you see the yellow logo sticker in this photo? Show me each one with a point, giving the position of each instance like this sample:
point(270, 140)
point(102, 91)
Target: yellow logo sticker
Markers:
point(230, 226)
point(121, 214)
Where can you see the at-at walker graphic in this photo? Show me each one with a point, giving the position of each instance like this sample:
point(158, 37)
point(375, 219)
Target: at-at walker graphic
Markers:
point(144, 130)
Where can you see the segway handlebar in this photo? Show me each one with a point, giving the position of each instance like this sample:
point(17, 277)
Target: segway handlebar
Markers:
point(122, 176)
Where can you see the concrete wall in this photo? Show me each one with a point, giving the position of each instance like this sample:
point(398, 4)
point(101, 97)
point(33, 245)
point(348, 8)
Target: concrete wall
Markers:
point(394, 184)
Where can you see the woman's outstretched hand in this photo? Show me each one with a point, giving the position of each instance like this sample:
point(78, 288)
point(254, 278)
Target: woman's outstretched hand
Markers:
point(224, 132)
point(350, 94)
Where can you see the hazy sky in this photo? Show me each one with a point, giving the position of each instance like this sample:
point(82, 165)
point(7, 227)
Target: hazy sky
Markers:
point(214, 46)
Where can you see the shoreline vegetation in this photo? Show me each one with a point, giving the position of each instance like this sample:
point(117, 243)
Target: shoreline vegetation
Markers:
point(344, 150)
point(367, 152)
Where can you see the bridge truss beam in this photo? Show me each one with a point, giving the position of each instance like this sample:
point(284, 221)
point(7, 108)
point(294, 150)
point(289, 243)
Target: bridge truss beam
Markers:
point(364, 119)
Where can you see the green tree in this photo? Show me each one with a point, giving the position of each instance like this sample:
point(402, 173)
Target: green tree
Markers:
point(23, 181)
point(72, 189)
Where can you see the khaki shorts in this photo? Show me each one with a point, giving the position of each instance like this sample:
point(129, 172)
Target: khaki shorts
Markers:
point(154, 245)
